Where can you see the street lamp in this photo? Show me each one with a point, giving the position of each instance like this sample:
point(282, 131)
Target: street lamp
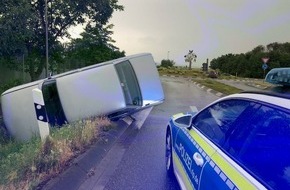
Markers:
point(46, 39)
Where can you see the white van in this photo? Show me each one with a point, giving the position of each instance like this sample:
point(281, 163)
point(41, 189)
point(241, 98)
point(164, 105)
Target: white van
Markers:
point(112, 88)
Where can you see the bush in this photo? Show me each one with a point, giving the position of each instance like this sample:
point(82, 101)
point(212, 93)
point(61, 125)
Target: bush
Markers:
point(167, 63)
point(9, 85)
point(26, 165)
point(4, 135)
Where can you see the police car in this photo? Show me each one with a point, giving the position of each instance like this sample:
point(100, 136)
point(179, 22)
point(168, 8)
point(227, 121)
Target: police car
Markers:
point(241, 141)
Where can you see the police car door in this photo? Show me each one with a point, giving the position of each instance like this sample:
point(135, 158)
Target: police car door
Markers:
point(192, 152)
point(210, 129)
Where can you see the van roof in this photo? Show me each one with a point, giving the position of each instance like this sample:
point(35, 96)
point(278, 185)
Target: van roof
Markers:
point(30, 84)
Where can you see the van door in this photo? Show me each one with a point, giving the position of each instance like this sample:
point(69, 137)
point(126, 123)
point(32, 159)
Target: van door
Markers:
point(129, 84)
point(55, 113)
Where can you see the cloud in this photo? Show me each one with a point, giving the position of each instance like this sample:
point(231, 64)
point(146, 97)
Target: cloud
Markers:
point(209, 27)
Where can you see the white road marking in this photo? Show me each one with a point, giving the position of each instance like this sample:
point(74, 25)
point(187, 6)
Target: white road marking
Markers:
point(193, 108)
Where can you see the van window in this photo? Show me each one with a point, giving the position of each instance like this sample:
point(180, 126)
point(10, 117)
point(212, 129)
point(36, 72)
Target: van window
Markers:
point(129, 83)
point(55, 113)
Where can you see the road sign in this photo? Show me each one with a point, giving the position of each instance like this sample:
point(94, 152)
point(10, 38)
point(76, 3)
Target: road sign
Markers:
point(264, 66)
point(265, 59)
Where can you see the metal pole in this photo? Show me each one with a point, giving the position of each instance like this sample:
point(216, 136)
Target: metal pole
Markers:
point(23, 68)
point(46, 39)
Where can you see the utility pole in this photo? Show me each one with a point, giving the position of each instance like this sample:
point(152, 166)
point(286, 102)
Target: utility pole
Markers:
point(23, 67)
point(46, 39)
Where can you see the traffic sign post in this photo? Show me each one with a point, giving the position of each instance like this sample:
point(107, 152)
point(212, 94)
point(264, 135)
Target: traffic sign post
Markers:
point(265, 66)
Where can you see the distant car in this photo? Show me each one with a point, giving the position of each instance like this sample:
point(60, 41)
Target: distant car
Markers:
point(212, 74)
point(241, 141)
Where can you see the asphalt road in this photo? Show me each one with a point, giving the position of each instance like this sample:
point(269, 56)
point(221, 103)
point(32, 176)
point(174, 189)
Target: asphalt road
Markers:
point(138, 162)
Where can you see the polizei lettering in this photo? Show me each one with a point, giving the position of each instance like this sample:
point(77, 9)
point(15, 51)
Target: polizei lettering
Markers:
point(184, 155)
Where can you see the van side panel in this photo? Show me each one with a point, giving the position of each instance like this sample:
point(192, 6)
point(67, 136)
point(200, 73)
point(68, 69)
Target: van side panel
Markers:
point(83, 93)
point(90, 92)
point(19, 113)
point(148, 78)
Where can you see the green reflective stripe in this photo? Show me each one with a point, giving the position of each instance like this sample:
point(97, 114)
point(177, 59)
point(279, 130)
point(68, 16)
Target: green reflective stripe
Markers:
point(182, 172)
point(205, 146)
point(232, 174)
point(177, 115)
point(235, 176)
point(216, 160)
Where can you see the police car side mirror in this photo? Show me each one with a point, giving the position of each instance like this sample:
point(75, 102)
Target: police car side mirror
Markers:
point(191, 120)
point(184, 120)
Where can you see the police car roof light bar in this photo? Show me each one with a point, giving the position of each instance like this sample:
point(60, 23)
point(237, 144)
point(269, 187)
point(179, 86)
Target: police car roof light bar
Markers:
point(279, 76)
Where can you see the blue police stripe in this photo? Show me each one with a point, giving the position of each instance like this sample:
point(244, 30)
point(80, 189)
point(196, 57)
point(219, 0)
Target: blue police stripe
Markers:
point(40, 112)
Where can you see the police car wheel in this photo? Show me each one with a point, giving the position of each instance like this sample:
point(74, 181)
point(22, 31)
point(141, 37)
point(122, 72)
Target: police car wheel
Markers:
point(168, 154)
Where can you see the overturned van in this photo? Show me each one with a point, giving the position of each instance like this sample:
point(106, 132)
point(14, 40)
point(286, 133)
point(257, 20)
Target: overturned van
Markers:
point(112, 88)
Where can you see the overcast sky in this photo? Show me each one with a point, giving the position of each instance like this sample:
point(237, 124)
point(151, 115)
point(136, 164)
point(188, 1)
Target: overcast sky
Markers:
point(211, 28)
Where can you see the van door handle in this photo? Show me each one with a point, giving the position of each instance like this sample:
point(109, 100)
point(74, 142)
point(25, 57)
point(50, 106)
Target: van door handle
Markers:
point(198, 159)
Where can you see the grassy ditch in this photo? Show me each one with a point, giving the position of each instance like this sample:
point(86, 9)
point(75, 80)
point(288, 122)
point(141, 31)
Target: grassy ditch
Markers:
point(217, 86)
point(202, 78)
point(27, 165)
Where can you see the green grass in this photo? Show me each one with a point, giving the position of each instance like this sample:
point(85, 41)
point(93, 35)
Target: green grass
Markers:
point(25, 165)
point(217, 86)
point(201, 77)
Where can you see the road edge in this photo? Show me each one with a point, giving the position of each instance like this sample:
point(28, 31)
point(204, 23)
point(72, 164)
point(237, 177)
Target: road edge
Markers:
point(82, 167)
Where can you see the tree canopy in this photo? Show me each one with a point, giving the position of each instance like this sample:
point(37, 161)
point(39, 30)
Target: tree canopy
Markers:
point(250, 64)
point(23, 26)
point(167, 63)
point(95, 46)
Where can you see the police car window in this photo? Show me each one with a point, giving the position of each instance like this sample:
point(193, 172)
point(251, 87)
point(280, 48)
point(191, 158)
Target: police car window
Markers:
point(266, 152)
point(215, 121)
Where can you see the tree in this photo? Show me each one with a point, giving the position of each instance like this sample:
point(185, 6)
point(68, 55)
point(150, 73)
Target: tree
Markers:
point(190, 57)
point(95, 46)
point(22, 24)
point(250, 63)
point(258, 49)
point(167, 63)
point(242, 64)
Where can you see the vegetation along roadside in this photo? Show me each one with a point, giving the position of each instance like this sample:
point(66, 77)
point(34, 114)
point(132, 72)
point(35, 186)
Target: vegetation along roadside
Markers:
point(27, 165)
point(202, 78)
